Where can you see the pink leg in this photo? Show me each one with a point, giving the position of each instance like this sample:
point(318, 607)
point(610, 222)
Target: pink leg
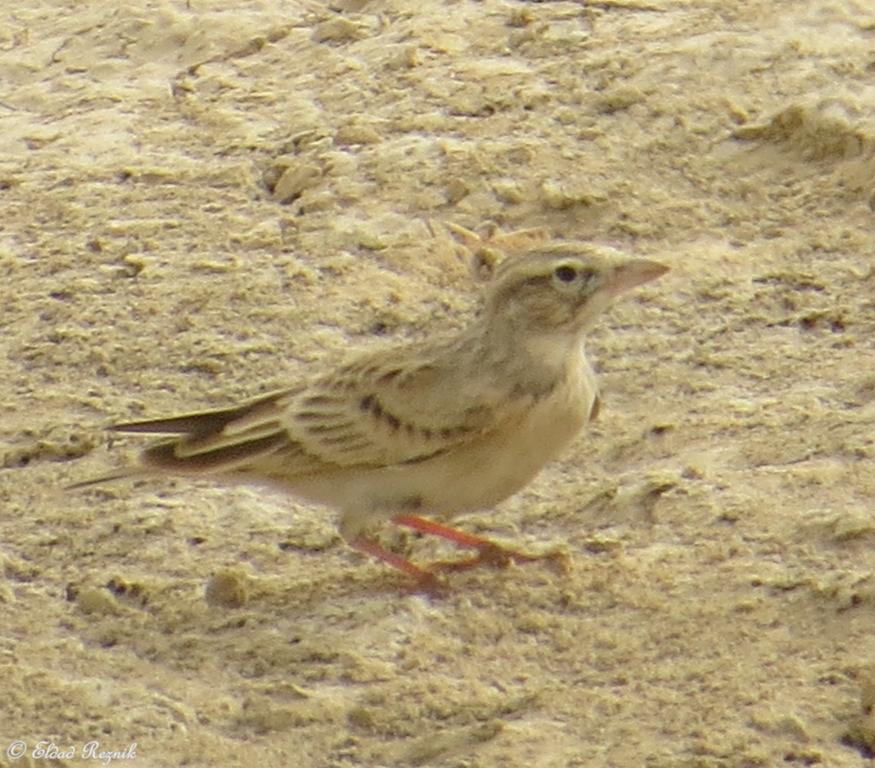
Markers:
point(424, 525)
point(487, 551)
point(425, 581)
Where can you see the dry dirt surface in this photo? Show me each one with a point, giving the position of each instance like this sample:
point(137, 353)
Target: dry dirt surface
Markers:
point(199, 201)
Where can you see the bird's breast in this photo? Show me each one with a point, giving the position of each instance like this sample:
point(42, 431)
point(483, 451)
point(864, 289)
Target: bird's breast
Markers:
point(503, 461)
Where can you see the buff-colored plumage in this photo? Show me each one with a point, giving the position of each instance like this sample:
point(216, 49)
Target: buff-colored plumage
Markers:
point(439, 427)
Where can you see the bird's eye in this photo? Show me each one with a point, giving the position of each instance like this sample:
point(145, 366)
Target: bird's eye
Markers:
point(565, 273)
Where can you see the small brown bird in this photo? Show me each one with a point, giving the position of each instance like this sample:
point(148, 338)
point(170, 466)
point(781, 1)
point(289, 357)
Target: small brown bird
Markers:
point(439, 427)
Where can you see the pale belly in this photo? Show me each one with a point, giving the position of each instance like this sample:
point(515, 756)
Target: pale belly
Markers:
point(489, 471)
point(471, 477)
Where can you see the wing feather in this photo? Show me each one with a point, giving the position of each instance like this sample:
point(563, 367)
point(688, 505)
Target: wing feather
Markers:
point(379, 411)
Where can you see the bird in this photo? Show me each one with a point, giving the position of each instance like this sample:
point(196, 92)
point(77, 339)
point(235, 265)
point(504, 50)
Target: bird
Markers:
point(421, 432)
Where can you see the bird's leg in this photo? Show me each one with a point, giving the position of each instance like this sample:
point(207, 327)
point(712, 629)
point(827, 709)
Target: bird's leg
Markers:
point(488, 552)
point(425, 581)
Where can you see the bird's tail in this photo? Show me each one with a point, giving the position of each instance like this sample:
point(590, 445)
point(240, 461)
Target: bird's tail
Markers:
point(121, 474)
point(206, 442)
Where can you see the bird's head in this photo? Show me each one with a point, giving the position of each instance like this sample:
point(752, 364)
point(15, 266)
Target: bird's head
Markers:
point(563, 287)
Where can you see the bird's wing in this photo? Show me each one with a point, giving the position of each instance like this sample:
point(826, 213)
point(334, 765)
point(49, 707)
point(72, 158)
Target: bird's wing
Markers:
point(375, 412)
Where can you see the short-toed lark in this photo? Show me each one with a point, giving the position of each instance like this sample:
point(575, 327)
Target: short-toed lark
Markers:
point(439, 427)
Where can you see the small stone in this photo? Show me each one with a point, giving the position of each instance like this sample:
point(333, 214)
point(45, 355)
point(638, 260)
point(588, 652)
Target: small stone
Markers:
point(228, 588)
point(337, 30)
point(94, 601)
point(560, 197)
point(357, 134)
point(507, 190)
point(294, 180)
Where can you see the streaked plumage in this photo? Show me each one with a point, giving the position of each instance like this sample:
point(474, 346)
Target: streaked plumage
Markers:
point(441, 427)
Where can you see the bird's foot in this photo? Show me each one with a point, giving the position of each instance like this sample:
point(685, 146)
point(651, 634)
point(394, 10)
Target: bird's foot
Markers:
point(488, 552)
point(496, 556)
point(428, 580)
point(422, 580)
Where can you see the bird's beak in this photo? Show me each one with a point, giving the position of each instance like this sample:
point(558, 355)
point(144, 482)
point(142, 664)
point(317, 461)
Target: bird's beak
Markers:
point(633, 273)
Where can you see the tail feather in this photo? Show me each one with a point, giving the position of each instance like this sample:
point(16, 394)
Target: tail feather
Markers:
point(194, 424)
point(224, 440)
point(166, 455)
point(121, 474)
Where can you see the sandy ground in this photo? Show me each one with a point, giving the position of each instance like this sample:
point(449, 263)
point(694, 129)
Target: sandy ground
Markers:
point(197, 201)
